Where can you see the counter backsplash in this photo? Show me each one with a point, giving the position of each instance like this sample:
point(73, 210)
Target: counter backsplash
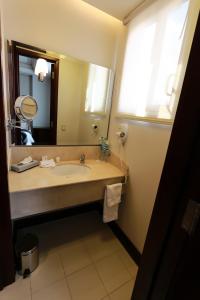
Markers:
point(65, 153)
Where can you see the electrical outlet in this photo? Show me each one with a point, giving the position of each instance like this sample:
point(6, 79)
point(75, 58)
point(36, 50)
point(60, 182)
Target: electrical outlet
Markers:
point(63, 127)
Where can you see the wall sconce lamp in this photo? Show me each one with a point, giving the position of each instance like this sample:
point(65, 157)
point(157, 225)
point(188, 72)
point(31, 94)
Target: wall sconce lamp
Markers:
point(41, 69)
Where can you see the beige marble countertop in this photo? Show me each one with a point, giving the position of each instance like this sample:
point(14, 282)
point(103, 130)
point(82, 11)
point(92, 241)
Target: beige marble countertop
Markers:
point(39, 178)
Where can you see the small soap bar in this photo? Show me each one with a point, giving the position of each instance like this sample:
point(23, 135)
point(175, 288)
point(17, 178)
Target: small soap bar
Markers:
point(23, 167)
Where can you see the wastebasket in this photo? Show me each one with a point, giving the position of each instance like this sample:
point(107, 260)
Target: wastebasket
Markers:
point(27, 254)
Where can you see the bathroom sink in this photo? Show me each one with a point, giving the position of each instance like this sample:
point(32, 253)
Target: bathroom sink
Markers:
point(71, 169)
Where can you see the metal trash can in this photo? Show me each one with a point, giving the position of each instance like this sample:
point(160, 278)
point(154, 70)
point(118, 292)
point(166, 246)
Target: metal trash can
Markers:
point(27, 254)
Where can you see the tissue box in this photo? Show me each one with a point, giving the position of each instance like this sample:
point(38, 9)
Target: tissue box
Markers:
point(23, 167)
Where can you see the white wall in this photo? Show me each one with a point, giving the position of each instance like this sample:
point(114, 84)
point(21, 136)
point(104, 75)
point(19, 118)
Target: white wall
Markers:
point(70, 87)
point(87, 135)
point(70, 27)
point(144, 154)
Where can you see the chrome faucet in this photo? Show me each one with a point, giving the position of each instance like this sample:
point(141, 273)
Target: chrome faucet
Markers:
point(82, 158)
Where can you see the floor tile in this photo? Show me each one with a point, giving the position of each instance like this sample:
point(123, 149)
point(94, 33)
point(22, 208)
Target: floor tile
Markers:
point(101, 244)
point(128, 262)
point(112, 272)
point(86, 285)
point(19, 290)
point(74, 257)
point(88, 252)
point(124, 292)
point(57, 291)
point(48, 272)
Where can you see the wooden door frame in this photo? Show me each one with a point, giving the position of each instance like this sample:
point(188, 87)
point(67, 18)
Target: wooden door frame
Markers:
point(7, 270)
point(17, 49)
point(174, 177)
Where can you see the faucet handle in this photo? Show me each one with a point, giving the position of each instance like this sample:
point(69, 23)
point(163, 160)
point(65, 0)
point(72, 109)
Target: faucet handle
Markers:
point(82, 158)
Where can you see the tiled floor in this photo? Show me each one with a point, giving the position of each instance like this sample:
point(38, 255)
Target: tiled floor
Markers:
point(80, 259)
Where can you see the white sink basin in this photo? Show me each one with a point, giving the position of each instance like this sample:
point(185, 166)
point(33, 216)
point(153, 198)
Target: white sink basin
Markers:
point(71, 170)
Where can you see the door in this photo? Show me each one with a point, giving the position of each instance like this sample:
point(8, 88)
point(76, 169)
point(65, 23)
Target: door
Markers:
point(7, 273)
point(185, 280)
point(44, 126)
point(170, 264)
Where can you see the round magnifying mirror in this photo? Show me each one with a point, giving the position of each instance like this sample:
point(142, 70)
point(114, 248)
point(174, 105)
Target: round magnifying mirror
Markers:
point(26, 107)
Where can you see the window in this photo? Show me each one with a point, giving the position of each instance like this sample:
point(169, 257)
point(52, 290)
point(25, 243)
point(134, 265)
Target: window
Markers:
point(97, 89)
point(149, 77)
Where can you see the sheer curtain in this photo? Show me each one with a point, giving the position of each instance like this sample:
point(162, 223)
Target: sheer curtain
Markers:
point(148, 85)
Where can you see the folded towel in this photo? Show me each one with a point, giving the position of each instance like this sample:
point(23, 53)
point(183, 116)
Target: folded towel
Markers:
point(112, 199)
point(26, 160)
point(47, 163)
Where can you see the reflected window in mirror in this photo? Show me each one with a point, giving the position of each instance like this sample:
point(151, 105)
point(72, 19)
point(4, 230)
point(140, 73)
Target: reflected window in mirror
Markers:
point(97, 89)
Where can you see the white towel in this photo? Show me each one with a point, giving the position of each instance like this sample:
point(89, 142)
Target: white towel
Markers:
point(47, 163)
point(112, 199)
point(26, 160)
point(28, 139)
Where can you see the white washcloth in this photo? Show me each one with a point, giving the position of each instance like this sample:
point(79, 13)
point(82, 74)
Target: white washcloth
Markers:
point(112, 199)
point(50, 163)
point(26, 160)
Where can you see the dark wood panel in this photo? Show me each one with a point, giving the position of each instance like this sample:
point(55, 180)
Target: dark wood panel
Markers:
point(42, 136)
point(7, 273)
point(25, 46)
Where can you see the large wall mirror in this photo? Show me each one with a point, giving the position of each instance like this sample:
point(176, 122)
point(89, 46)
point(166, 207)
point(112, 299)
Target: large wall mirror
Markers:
point(73, 97)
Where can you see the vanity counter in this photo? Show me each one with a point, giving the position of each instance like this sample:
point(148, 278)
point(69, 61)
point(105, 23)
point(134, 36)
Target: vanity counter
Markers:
point(39, 178)
point(40, 190)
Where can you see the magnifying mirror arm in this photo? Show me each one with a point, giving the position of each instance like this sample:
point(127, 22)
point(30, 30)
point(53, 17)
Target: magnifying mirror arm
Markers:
point(13, 124)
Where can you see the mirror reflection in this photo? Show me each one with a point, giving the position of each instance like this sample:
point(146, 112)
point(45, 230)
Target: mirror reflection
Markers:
point(73, 97)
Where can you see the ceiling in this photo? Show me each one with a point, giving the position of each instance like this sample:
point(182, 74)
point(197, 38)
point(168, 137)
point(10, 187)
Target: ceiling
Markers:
point(116, 8)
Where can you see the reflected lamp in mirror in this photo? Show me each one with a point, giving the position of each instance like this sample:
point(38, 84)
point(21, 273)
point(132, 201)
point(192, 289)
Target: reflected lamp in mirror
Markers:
point(41, 69)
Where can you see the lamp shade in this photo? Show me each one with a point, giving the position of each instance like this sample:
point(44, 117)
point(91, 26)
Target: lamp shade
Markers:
point(41, 67)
